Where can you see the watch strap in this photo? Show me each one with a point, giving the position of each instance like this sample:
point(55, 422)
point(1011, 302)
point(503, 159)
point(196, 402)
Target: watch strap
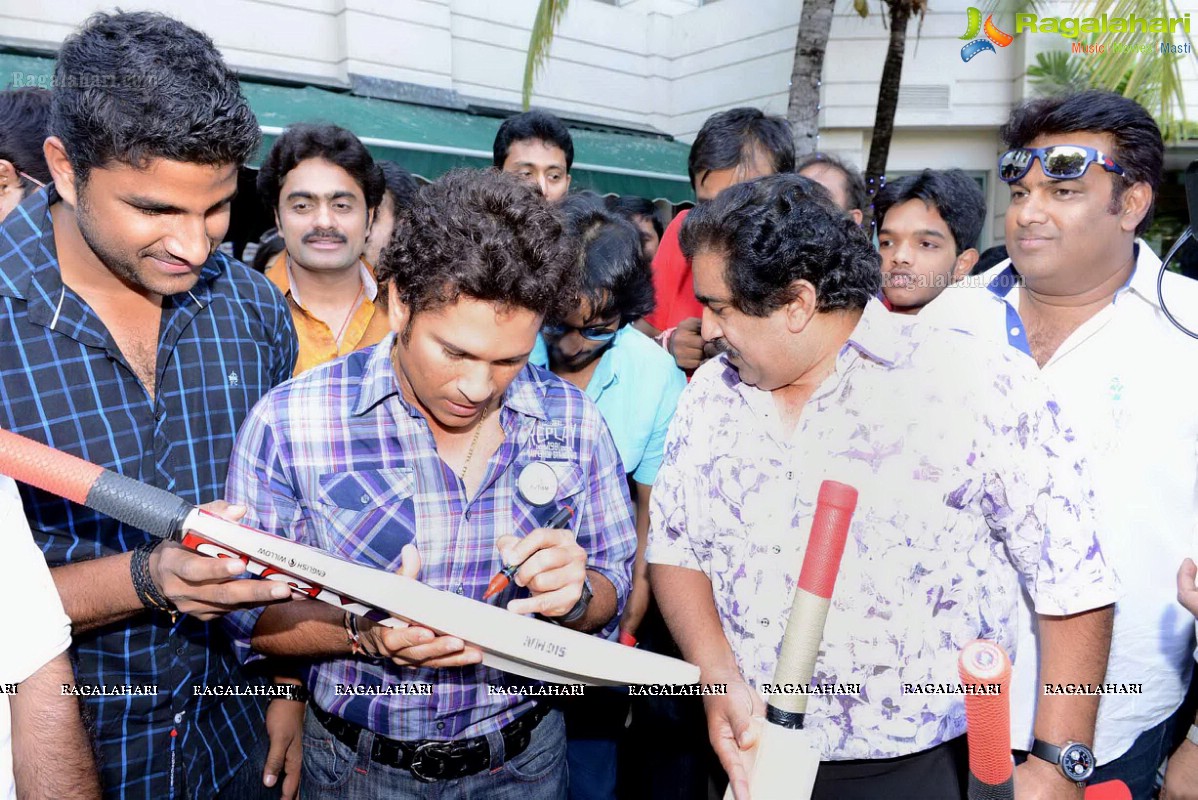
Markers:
point(1192, 735)
point(1047, 752)
point(579, 609)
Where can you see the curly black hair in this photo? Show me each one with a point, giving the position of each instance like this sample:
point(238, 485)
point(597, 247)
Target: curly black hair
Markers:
point(779, 229)
point(615, 276)
point(131, 87)
point(484, 234)
point(330, 142)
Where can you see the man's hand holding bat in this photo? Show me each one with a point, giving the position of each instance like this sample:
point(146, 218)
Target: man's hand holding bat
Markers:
point(730, 725)
point(205, 587)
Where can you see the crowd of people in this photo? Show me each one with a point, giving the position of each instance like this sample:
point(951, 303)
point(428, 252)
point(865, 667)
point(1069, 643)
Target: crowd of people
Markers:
point(422, 378)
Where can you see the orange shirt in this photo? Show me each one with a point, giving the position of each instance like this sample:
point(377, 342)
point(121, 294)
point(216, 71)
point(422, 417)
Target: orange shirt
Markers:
point(366, 326)
point(673, 284)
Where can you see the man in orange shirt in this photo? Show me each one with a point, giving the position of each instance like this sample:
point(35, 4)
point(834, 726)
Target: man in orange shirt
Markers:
point(732, 147)
point(325, 190)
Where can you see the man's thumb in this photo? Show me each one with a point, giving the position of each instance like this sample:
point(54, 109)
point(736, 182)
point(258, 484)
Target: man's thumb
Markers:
point(410, 567)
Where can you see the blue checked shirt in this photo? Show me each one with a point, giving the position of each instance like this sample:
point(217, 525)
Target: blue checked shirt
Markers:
point(65, 382)
point(338, 460)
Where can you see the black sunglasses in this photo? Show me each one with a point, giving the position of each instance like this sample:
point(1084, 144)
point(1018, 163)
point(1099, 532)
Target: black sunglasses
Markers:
point(1064, 162)
point(592, 333)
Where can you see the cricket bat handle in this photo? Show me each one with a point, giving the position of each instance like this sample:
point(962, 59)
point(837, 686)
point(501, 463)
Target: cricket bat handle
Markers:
point(156, 511)
point(988, 720)
point(784, 763)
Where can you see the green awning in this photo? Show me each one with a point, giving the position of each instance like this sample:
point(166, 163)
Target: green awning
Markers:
point(430, 141)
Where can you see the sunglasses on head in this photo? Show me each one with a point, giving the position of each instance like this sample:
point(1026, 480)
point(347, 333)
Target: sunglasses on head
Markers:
point(592, 333)
point(1063, 162)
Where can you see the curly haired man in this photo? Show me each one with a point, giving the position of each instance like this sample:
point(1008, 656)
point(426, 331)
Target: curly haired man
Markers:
point(442, 452)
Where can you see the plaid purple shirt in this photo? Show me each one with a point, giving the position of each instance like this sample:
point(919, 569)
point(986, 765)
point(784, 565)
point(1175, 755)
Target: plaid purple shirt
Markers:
point(337, 459)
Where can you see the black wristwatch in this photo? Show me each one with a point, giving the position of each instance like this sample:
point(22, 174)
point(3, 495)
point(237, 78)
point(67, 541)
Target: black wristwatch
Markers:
point(1075, 760)
point(293, 691)
point(580, 608)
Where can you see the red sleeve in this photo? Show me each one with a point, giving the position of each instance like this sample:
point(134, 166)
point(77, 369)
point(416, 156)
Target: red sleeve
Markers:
point(672, 287)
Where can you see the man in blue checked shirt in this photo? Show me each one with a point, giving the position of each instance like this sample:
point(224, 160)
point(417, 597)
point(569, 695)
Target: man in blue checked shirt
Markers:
point(441, 453)
point(128, 340)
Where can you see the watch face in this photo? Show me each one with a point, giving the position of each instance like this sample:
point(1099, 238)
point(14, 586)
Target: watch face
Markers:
point(1077, 762)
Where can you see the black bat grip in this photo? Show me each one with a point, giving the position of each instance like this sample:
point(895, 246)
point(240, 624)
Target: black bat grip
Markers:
point(154, 510)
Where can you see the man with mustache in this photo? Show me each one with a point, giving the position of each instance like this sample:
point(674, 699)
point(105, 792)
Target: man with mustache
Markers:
point(325, 190)
point(966, 471)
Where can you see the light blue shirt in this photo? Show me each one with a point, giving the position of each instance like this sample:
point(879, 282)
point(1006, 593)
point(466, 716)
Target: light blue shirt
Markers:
point(636, 387)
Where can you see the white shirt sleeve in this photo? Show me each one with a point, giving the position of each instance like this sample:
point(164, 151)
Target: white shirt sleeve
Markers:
point(33, 626)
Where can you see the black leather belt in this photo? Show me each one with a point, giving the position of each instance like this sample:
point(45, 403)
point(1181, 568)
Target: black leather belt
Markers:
point(431, 760)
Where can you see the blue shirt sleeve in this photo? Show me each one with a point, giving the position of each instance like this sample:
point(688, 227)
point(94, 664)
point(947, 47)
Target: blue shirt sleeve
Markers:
point(667, 403)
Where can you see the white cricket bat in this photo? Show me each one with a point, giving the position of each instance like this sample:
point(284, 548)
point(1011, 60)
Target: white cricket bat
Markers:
point(784, 763)
point(521, 645)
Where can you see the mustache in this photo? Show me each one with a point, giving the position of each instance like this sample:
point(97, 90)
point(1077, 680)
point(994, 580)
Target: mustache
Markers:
point(721, 346)
point(324, 234)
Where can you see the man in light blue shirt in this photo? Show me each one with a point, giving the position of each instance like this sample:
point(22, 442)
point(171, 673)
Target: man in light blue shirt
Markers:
point(636, 386)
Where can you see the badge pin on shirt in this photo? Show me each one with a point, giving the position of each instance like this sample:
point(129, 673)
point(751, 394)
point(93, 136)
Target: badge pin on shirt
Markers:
point(537, 484)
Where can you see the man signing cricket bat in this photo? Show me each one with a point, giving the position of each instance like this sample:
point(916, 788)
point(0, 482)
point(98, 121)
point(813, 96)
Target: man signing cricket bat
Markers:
point(442, 454)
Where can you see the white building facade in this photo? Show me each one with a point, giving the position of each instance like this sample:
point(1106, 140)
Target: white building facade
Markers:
point(659, 64)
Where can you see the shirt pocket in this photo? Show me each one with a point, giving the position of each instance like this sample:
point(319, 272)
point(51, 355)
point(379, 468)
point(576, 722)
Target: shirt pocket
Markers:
point(369, 515)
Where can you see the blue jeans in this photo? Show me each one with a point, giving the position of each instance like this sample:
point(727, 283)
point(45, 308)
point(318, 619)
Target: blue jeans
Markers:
point(333, 771)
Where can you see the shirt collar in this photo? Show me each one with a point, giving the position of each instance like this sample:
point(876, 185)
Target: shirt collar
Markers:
point(611, 363)
point(281, 276)
point(525, 395)
point(1003, 277)
point(878, 334)
point(30, 270)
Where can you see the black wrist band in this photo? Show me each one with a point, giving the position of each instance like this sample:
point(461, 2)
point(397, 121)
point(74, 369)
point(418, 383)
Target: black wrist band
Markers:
point(147, 591)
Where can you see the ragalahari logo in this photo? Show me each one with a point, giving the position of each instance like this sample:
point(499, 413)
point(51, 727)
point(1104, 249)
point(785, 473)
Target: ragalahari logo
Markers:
point(978, 45)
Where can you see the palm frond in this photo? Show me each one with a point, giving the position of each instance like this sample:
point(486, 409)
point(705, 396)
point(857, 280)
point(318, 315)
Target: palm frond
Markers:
point(544, 25)
point(1058, 72)
point(1150, 78)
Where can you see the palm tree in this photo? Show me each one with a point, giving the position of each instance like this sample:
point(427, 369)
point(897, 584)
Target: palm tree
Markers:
point(899, 14)
point(811, 43)
point(544, 25)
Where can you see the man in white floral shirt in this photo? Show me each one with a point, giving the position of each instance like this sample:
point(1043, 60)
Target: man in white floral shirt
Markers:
point(965, 474)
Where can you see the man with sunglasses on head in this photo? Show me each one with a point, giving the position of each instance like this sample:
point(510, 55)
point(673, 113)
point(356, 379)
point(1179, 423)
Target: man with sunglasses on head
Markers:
point(1079, 295)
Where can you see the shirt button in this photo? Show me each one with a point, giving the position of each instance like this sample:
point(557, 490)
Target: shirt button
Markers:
point(461, 589)
point(181, 651)
point(440, 726)
point(775, 549)
point(365, 498)
point(764, 622)
point(178, 717)
point(1014, 331)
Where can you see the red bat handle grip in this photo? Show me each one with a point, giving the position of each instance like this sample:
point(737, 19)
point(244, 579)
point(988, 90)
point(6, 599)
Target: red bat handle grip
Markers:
point(983, 665)
point(145, 507)
point(829, 530)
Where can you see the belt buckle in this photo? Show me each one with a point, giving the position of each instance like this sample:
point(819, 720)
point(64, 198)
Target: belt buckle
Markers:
point(428, 761)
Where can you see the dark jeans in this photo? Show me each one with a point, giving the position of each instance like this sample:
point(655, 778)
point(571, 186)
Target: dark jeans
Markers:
point(940, 773)
point(1138, 766)
point(247, 781)
point(594, 730)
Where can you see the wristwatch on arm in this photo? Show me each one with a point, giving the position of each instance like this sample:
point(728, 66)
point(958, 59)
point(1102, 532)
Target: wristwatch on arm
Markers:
point(580, 608)
point(1074, 759)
